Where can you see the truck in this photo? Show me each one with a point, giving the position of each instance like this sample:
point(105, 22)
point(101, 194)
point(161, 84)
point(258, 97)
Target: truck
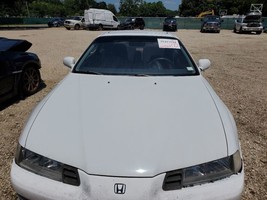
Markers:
point(211, 23)
point(100, 19)
point(76, 23)
point(252, 22)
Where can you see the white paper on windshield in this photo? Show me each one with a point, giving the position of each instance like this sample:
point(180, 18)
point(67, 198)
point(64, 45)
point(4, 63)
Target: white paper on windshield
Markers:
point(168, 44)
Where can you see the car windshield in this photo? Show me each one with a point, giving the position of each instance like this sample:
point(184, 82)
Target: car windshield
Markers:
point(129, 20)
point(136, 55)
point(77, 18)
point(170, 20)
point(212, 18)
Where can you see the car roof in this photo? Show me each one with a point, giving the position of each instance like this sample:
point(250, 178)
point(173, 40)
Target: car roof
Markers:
point(138, 33)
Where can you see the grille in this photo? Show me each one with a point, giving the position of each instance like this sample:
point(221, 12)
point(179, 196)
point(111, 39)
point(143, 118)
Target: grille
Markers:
point(173, 180)
point(70, 175)
point(212, 24)
point(253, 25)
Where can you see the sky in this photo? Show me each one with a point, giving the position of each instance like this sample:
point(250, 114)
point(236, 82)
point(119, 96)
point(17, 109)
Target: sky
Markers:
point(169, 4)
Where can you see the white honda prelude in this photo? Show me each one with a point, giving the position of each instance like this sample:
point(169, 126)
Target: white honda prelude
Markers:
point(134, 120)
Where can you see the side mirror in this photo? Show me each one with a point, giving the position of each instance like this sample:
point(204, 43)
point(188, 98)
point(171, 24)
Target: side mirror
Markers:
point(204, 64)
point(69, 62)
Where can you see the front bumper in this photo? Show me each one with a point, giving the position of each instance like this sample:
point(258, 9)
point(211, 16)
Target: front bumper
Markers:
point(252, 29)
point(32, 186)
point(211, 28)
point(68, 25)
point(170, 28)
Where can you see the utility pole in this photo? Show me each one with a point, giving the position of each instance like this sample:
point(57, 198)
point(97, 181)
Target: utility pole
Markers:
point(27, 9)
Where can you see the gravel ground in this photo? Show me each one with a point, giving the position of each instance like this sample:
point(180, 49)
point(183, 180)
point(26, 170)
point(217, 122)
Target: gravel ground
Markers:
point(238, 74)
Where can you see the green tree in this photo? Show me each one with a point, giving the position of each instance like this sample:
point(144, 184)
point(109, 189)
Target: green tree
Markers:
point(130, 7)
point(101, 5)
point(155, 9)
point(46, 8)
point(112, 8)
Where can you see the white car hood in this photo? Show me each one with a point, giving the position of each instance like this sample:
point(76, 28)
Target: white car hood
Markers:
point(128, 126)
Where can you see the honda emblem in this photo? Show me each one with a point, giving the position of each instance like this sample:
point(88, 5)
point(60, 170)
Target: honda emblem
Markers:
point(119, 188)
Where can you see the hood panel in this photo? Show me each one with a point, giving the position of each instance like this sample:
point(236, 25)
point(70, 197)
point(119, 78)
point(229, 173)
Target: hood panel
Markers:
point(14, 45)
point(129, 126)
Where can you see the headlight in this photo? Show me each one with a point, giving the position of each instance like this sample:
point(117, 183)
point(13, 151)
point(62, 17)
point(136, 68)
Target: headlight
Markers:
point(46, 167)
point(203, 173)
point(212, 171)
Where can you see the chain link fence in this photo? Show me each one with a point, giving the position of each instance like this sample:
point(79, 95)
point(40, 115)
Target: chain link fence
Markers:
point(151, 22)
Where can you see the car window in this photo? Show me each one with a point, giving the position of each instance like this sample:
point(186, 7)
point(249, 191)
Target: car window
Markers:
point(77, 18)
point(136, 55)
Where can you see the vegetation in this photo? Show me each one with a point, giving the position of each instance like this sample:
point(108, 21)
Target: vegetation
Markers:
point(51, 8)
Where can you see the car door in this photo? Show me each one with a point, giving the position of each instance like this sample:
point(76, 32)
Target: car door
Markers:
point(238, 23)
point(7, 79)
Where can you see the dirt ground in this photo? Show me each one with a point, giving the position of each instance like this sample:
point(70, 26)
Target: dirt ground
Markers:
point(238, 74)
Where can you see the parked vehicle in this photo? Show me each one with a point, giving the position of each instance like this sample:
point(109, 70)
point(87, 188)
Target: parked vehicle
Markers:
point(252, 22)
point(19, 70)
point(100, 19)
point(134, 119)
point(211, 23)
point(76, 23)
point(56, 22)
point(169, 24)
point(132, 23)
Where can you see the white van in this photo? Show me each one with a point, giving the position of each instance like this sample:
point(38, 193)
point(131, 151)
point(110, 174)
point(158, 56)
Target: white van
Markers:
point(100, 19)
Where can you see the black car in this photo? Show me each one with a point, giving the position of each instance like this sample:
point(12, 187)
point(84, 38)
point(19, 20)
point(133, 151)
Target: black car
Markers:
point(56, 22)
point(169, 24)
point(211, 23)
point(19, 70)
point(133, 23)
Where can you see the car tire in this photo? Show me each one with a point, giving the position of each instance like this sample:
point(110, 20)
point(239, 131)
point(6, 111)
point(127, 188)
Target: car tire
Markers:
point(234, 30)
point(76, 27)
point(258, 32)
point(100, 27)
point(30, 80)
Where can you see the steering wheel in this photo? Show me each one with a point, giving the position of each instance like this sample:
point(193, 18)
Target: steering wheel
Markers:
point(161, 63)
